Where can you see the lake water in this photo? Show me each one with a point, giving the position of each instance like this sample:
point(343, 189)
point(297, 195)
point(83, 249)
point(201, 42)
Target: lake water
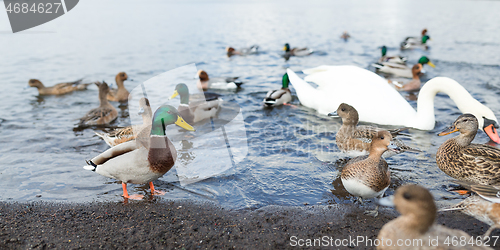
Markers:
point(291, 157)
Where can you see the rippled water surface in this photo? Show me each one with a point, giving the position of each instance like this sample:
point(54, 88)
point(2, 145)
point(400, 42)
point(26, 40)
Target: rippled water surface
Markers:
point(292, 153)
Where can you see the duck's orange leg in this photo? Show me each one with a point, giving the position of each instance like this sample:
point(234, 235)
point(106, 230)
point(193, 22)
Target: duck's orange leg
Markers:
point(155, 192)
point(461, 192)
point(126, 196)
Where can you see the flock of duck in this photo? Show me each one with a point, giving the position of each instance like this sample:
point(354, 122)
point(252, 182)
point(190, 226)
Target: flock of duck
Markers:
point(143, 153)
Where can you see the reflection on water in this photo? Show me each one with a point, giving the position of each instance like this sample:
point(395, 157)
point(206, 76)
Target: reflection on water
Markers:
point(291, 155)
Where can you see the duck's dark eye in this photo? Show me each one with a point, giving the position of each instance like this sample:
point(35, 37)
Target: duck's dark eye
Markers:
point(407, 196)
point(343, 109)
point(382, 137)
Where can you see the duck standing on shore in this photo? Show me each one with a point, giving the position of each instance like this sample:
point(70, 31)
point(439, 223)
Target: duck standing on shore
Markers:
point(145, 159)
point(369, 176)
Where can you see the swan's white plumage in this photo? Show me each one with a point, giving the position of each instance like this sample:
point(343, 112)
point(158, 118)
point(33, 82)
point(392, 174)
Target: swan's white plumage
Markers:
point(375, 100)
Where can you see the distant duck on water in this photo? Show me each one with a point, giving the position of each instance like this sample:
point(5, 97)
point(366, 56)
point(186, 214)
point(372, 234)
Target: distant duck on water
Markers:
point(227, 83)
point(58, 89)
point(104, 114)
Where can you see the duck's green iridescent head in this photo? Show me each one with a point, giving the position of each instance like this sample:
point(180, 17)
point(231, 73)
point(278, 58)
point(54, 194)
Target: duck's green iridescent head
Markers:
point(285, 81)
point(181, 90)
point(384, 50)
point(424, 60)
point(287, 47)
point(425, 38)
point(166, 115)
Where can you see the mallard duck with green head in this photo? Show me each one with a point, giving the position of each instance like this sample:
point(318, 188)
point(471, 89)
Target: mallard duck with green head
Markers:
point(391, 59)
point(397, 69)
point(296, 51)
point(145, 159)
point(279, 96)
point(416, 42)
point(196, 110)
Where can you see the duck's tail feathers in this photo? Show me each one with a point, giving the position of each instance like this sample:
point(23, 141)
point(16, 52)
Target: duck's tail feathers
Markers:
point(102, 135)
point(453, 208)
point(378, 65)
point(90, 166)
point(397, 131)
point(238, 83)
point(269, 101)
point(403, 147)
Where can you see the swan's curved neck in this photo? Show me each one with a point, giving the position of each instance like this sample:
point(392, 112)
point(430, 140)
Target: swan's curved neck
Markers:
point(425, 102)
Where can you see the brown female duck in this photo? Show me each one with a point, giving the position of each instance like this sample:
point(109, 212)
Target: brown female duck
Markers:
point(121, 135)
point(369, 176)
point(415, 228)
point(466, 161)
point(58, 89)
point(103, 114)
point(121, 93)
point(352, 137)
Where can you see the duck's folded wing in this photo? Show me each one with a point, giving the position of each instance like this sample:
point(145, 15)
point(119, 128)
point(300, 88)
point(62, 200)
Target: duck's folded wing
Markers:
point(365, 132)
point(487, 158)
point(96, 114)
point(115, 151)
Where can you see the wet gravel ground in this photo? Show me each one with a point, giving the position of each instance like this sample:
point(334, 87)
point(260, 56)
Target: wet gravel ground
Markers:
point(185, 224)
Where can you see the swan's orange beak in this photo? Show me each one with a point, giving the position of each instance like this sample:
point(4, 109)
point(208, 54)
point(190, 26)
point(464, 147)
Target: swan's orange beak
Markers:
point(491, 131)
point(449, 130)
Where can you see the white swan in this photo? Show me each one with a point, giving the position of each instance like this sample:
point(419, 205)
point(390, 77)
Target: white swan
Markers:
point(371, 95)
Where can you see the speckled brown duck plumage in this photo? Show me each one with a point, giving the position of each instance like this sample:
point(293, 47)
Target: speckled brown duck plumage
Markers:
point(103, 114)
point(484, 205)
point(352, 137)
point(466, 161)
point(121, 135)
point(369, 176)
point(416, 223)
point(121, 93)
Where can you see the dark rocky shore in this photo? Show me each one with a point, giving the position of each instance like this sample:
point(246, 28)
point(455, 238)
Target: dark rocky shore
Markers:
point(194, 225)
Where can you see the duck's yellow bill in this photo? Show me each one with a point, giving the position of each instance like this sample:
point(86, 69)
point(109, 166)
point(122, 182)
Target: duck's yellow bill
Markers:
point(174, 94)
point(284, 48)
point(183, 124)
point(448, 131)
point(431, 64)
point(491, 131)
